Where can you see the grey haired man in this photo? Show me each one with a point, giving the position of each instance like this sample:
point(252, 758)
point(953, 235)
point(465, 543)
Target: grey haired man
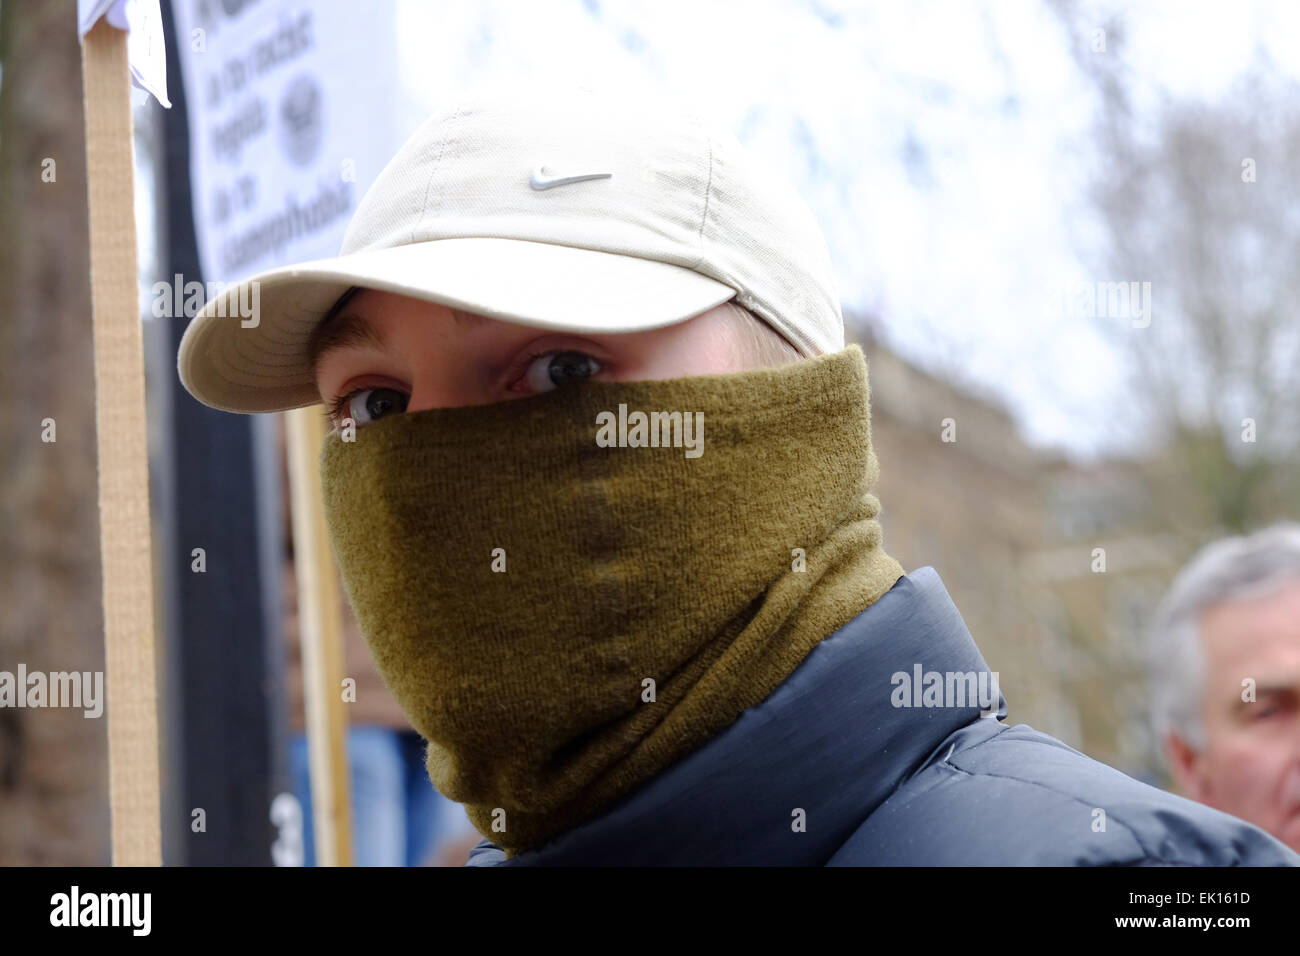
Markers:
point(1225, 675)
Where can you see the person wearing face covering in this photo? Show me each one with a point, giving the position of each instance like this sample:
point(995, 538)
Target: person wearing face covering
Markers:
point(600, 487)
point(397, 818)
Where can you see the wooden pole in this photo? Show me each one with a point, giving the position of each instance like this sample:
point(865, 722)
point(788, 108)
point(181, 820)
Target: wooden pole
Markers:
point(122, 442)
point(321, 636)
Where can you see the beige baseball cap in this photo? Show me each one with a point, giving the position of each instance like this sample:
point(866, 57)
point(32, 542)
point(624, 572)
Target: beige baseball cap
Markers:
point(567, 209)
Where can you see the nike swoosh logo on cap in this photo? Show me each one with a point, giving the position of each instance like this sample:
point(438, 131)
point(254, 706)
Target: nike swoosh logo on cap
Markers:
point(540, 180)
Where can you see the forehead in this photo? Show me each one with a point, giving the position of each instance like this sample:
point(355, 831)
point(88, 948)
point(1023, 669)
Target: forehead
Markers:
point(1263, 628)
point(357, 320)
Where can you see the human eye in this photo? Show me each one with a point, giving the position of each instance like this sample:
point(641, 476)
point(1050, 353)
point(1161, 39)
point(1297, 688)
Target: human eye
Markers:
point(553, 369)
point(1266, 708)
point(367, 405)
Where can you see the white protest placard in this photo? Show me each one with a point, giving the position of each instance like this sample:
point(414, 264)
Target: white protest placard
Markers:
point(292, 108)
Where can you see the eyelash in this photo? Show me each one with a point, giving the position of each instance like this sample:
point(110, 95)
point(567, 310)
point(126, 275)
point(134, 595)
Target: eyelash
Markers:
point(520, 366)
point(336, 407)
point(333, 408)
point(513, 374)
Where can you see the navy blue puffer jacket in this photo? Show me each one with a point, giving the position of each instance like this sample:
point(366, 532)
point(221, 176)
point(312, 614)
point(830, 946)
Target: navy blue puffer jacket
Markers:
point(833, 770)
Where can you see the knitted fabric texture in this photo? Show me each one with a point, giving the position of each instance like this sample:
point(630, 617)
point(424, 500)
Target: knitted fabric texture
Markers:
point(562, 620)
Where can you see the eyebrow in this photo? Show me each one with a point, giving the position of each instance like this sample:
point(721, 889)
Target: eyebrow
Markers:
point(340, 330)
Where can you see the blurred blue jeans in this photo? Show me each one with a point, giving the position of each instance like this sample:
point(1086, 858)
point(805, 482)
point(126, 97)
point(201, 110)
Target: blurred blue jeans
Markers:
point(397, 815)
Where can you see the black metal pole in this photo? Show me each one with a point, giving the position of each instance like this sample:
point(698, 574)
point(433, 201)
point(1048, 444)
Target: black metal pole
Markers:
point(225, 717)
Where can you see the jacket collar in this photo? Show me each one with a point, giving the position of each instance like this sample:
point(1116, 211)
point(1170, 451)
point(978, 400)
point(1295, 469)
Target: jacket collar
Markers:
point(831, 741)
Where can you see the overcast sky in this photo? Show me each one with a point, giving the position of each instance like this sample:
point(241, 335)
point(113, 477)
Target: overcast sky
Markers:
point(941, 145)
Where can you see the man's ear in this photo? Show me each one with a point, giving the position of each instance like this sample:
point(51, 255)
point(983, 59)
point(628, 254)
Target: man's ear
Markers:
point(1187, 766)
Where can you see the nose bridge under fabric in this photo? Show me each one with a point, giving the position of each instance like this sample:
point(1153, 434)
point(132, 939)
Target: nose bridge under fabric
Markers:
point(517, 630)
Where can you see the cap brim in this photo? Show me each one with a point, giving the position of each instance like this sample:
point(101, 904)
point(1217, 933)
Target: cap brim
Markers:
point(246, 351)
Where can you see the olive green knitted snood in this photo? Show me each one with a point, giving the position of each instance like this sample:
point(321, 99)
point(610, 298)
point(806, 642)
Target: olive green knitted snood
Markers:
point(563, 610)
